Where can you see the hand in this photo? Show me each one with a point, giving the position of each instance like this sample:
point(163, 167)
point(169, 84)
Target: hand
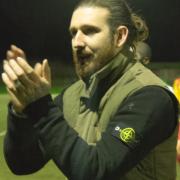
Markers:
point(24, 83)
point(15, 52)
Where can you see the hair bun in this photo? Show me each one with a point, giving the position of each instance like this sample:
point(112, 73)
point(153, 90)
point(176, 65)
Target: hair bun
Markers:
point(142, 31)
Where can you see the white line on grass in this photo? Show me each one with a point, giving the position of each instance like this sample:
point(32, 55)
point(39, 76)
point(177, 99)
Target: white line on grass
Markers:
point(2, 133)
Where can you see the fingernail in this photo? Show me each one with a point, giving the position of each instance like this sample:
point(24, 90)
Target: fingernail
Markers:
point(13, 46)
point(46, 60)
point(11, 60)
point(20, 59)
point(5, 61)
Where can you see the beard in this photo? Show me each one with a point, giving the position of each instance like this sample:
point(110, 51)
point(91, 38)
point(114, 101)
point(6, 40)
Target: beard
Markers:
point(87, 64)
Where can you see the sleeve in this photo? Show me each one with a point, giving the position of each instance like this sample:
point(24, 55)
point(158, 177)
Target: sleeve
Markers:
point(143, 113)
point(22, 149)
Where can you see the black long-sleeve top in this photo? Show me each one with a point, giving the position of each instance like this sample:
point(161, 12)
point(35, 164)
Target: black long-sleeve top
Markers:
point(44, 134)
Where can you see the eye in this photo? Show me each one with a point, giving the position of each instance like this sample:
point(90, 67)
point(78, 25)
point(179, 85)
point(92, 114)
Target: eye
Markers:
point(73, 32)
point(90, 30)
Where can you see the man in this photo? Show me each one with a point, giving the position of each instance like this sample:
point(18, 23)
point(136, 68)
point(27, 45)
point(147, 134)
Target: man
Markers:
point(118, 121)
point(143, 52)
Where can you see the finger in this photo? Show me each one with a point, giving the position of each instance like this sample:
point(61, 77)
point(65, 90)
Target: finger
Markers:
point(28, 70)
point(18, 51)
point(20, 87)
point(17, 105)
point(24, 65)
point(21, 75)
point(46, 71)
point(16, 68)
point(10, 55)
point(9, 71)
point(15, 85)
point(9, 84)
point(38, 69)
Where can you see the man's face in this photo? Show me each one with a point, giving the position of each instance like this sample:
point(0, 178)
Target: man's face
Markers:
point(92, 42)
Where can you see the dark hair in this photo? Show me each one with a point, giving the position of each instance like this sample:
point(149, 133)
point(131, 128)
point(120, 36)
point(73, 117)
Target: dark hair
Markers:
point(121, 14)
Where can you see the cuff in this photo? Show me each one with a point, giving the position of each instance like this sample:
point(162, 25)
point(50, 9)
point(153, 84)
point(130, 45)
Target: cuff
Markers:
point(39, 108)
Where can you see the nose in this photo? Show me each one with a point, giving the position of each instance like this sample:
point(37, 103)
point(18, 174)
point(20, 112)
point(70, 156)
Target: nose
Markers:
point(79, 40)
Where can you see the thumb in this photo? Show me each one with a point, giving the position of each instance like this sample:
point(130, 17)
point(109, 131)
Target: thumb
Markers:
point(38, 69)
point(46, 71)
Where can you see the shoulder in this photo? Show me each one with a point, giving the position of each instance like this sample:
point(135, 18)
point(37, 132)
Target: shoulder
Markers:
point(155, 95)
point(152, 105)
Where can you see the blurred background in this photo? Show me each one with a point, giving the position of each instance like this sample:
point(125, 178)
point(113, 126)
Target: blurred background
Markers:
point(40, 27)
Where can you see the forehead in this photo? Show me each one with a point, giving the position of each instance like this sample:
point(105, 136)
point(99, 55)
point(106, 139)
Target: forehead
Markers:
point(95, 16)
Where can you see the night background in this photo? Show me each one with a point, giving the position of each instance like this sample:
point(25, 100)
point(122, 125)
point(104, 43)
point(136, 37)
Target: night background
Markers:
point(40, 27)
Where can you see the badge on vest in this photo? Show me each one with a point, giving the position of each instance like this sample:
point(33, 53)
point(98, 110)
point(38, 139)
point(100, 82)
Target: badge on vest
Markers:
point(127, 135)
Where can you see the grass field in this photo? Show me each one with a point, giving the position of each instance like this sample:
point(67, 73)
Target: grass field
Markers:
point(49, 172)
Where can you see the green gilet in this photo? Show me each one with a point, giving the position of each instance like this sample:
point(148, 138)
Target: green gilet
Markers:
point(90, 124)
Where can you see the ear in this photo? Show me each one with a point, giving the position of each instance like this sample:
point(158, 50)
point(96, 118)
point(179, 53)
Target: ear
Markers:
point(121, 35)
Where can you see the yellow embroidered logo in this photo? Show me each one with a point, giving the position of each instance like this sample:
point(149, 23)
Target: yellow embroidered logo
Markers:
point(127, 134)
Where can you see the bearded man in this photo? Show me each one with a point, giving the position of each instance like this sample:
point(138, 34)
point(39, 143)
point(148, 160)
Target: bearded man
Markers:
point(118, 121)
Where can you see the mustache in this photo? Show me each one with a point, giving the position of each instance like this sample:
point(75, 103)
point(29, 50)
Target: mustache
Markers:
point(82, 54)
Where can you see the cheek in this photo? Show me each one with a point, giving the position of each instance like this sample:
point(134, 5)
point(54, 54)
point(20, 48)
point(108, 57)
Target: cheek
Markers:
point(99, 41)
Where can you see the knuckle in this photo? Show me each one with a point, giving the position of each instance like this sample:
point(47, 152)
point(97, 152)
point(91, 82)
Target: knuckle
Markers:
point(15, 79)
point(11, 88)
point(20, 74)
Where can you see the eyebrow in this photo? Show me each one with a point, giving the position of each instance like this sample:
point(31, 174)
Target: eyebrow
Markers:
point(83, 27)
